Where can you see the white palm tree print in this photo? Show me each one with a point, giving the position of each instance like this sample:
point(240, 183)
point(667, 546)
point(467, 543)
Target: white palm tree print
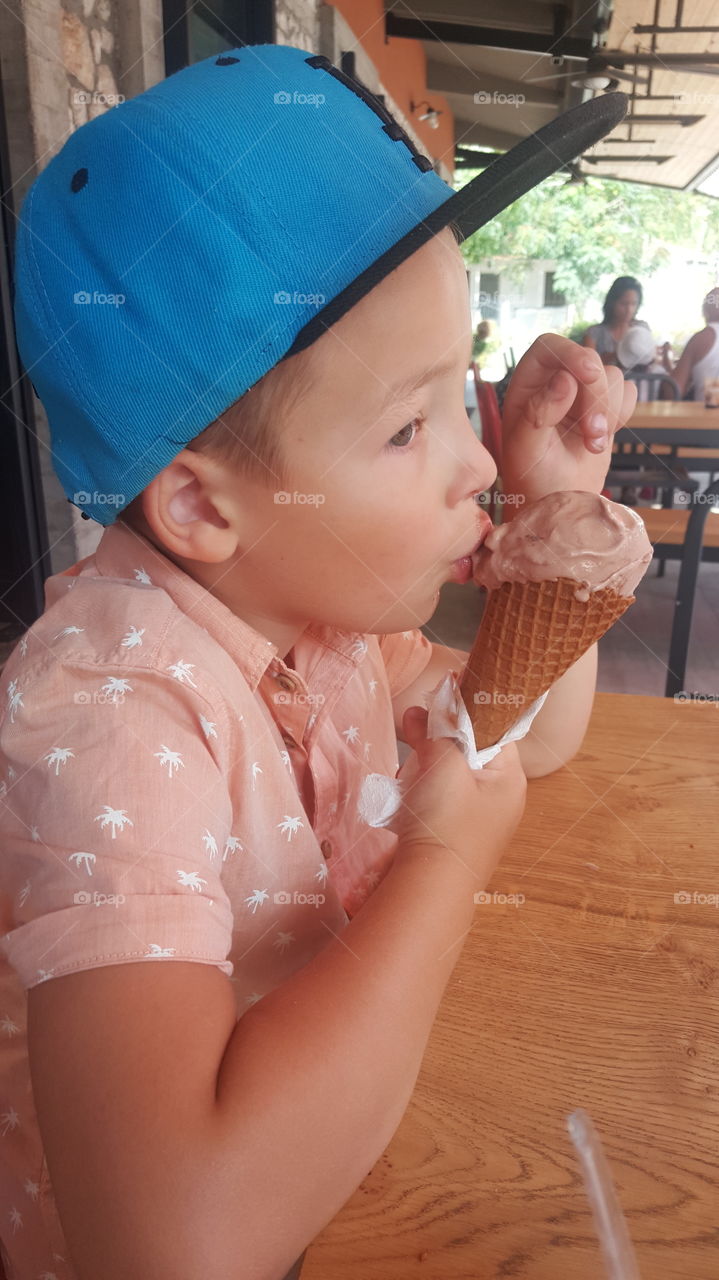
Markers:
point(181, 671)
point(31, 1188)
point(114, 818)
point(372, 686)
point(359, 648)
point(87, 858)
point(15, 1218)
point(133, 638)
point(290, 825)
point(283, 940)
point(23, 646)
point(210, 844)
point(322, 873)
point(256, 898)
point(155, 949)
point(116, 685)
point(172, 759)
point(255, 770)
point(190, 879)
point(232, 844)
point(23, 894)
point(58, 756)
point(9, 1027)
point(351, 734)
point(14, 699)
point(143, 576)
point(69, 631)
point(208, 728)
point(9, 1120)
point(285, 758)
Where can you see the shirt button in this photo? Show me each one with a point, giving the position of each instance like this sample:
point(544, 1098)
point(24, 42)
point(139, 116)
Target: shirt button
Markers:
point(285, 681)
point(326, 848)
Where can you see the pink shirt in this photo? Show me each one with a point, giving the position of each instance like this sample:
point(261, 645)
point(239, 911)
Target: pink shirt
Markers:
point(171, 789)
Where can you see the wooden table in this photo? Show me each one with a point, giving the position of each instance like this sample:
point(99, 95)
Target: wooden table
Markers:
point(681, 422)
point(601, 992)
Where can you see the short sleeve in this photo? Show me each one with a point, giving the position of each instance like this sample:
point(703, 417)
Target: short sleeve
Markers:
point(405, 655)
point(114, 813)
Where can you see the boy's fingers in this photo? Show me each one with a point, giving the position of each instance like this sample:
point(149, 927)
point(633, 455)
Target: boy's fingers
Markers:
point(414, 725)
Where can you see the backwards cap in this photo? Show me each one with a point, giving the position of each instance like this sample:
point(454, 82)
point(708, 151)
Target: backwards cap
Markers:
point(184, 242)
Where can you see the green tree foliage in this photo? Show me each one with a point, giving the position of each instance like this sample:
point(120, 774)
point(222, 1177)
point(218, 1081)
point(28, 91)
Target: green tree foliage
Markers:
point(597, 227)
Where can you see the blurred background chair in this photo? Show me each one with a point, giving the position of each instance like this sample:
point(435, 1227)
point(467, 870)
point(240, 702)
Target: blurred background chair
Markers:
point(683, 534)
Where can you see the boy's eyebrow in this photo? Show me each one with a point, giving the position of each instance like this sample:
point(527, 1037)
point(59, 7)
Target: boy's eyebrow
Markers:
point(416, 381)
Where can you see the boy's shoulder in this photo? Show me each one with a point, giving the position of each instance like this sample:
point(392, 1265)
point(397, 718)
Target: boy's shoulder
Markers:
point(117, 626)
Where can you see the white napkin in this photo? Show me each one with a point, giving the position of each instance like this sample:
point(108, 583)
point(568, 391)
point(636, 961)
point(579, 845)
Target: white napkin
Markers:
point(380, 796)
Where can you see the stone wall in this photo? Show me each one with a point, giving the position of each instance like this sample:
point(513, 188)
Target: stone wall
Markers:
point(62, 65)
point(297, 23)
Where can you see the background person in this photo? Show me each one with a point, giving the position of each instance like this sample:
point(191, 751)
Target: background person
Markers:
point(700, 358)
point(620, 308)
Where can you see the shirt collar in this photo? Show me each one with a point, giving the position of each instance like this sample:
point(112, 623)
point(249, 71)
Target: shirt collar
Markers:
point(124, 553)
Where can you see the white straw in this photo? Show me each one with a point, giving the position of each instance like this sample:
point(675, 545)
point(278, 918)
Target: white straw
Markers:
point(609, 1220)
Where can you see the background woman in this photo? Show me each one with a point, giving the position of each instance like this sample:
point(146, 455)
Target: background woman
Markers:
point(620, 308)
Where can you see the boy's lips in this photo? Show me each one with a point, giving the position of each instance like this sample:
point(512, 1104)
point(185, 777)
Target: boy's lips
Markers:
point(462, 569)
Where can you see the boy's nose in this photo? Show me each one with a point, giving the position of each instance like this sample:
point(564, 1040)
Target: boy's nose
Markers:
point(480, 471)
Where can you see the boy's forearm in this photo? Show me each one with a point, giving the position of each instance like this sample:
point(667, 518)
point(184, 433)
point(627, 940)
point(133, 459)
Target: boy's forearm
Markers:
point(316, 1077)
point(558, 730)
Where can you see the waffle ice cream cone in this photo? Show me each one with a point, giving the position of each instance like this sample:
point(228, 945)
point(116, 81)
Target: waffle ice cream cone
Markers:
point(530, 634)
point(558, 576)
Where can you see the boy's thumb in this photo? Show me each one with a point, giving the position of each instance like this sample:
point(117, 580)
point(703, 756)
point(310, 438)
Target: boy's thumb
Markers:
point(414, 726)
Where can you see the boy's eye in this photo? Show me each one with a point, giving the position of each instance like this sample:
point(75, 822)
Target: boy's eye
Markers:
point(401, 440)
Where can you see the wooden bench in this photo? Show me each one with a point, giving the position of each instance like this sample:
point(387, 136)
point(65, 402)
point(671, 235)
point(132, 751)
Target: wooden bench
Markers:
point(667, 527)
point(689, 534)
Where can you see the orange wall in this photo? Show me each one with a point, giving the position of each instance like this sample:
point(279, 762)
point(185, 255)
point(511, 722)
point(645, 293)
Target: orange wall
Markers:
point(402, 68)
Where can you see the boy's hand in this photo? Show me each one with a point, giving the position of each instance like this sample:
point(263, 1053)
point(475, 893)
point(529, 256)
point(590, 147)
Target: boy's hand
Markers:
point(560, 413)
point(449, 810)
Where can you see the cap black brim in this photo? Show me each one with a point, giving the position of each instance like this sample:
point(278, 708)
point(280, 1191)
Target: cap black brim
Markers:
point(503, 181)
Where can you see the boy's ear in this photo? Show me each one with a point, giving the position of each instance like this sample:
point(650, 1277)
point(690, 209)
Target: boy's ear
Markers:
point(188, 510)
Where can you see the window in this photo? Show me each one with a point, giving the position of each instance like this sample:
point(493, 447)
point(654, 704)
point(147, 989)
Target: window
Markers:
point(194, 31)
point(488, 299)
point(552, 297)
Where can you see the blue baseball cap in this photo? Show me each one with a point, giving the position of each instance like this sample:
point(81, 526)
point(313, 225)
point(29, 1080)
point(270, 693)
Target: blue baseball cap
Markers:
point(183, 243)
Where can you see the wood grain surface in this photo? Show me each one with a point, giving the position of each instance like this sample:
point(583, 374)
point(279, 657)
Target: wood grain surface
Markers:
point(667, 413)
point(598, 991)
point(673, 422)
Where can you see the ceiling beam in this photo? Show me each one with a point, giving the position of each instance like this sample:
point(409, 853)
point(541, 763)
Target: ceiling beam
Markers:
point(487, 37)
point(470, 133)
point(443, 77)
point(626, 159)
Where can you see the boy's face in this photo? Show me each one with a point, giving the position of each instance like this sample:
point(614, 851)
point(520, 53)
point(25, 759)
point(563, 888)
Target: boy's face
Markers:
point(383, 482)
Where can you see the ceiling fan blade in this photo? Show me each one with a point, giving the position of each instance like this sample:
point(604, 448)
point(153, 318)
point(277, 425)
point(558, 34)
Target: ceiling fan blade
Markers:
point(625, 75)
point(558, 75)
point(693, 69)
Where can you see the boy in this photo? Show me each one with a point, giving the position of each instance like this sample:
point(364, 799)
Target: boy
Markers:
point(188, 724)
